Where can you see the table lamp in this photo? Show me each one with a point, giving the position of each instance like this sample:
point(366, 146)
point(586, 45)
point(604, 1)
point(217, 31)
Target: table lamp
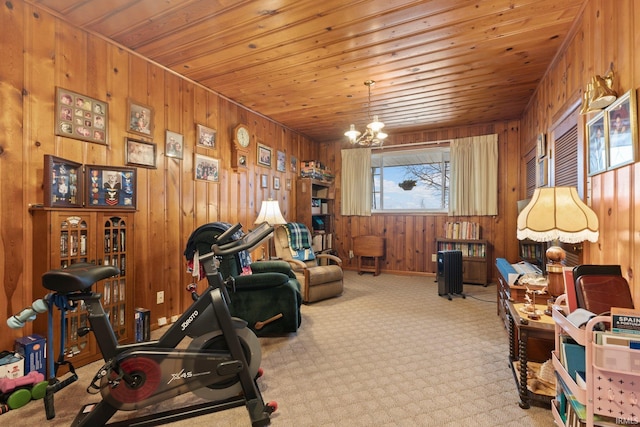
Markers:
point(557, 214)
point(270, 213)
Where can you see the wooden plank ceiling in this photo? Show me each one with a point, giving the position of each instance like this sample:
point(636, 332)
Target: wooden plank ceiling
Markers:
point(437, 63)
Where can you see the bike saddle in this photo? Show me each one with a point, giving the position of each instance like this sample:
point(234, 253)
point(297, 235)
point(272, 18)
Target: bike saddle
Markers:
point(77, 277)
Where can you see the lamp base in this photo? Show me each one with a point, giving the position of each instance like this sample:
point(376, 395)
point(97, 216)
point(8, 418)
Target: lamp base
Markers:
point(555, 280)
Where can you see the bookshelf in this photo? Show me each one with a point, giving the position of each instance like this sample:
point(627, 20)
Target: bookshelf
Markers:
point(315, 208)
point(475, 253)
point(608, 393)
point(533, 253)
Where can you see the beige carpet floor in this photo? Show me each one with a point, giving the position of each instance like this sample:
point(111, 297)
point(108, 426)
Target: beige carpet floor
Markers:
point(388, 352)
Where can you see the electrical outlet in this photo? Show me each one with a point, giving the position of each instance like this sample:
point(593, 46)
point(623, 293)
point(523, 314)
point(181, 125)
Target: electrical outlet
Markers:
point(434, 257)
point(350, 254)
point(162, 321)
point(160, 297)
point(174, 318)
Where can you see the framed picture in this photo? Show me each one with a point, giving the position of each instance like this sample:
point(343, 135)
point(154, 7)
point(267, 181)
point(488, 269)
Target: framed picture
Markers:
point(264, 155)
point(622, 130)
point(206, 168)
point(140, 153)
point(81, 117)
point(139, 118)
point(276, 183)
point(541, 146)
point(264, 181)
point(206, 137)
point(543, 167)
point(281, 162)
point(62, 182)
point(110, 187)
point(174, 145)
point(293, 162)
point(287, 184)
point(596, 151)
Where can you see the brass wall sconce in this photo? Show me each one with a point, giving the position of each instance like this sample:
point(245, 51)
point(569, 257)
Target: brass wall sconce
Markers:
point(599, 93)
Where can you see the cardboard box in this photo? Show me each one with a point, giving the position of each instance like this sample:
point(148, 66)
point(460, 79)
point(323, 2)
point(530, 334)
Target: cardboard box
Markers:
point(33, 349)
point(143, 324)
point(12, 368)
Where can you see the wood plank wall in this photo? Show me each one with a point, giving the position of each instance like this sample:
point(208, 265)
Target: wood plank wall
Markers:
point(41, 52)
point(604, 37)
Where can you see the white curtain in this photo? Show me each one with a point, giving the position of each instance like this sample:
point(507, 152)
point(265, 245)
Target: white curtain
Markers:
point(474, 176)
point(356, 182)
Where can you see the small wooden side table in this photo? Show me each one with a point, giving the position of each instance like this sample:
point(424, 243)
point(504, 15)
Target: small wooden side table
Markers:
point(521, 331)
point(369, 250)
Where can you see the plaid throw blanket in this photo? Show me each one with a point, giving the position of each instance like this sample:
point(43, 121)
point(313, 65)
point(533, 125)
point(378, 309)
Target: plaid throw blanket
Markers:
point(299, 237)
point(299, 241)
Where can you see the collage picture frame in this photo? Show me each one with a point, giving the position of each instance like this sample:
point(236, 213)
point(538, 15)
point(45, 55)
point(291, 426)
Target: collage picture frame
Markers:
point(612, 136)
point(81, 117)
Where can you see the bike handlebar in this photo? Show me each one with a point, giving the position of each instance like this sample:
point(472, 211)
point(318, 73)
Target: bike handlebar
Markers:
point(227, 236)
point(247, 242)
point(28, 314)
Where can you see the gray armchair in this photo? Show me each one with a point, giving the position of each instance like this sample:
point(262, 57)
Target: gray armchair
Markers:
point(320, 275)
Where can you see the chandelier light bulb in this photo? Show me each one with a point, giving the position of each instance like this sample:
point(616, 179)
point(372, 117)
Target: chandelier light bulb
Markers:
point(352, 133)
point(375, 125)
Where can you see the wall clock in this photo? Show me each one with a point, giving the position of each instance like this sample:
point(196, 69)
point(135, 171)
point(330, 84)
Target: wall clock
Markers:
point(240, 147)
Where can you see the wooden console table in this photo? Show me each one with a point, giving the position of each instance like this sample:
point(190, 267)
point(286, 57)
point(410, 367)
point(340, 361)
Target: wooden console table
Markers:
point(521, 331)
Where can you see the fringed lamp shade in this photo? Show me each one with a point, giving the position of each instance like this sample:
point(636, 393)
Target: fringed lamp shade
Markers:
point(557, 214)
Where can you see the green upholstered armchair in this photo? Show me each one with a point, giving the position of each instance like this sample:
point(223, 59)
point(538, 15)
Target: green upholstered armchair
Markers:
point(268, 299)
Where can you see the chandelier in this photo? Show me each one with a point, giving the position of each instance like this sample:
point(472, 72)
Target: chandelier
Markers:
point(373, 136)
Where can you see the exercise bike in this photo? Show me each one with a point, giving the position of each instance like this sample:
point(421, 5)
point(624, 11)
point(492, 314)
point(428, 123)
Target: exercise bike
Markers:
point(220, 363)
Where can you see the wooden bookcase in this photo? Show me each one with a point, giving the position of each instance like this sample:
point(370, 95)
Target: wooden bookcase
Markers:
point(65, 237)
point(315, 206)
point(533, 253)
point(475, 254)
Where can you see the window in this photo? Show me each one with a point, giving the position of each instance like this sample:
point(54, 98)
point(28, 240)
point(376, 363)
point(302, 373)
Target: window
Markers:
point(411, 180)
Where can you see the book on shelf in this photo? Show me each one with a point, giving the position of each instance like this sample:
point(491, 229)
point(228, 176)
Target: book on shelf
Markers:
point(625, 320)
point(573, 357)
point(570, 288)
point(465, 230)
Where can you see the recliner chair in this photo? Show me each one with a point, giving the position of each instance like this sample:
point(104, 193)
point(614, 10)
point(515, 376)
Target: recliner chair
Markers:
point(320, 275)
point(268, 299)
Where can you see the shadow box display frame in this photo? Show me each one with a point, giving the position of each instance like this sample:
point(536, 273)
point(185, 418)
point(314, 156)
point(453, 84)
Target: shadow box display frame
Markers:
point(63, 182)
point(110, 187)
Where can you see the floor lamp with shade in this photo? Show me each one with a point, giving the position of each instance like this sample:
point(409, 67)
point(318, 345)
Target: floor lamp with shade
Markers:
point(271, 214)
point(557, 214)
